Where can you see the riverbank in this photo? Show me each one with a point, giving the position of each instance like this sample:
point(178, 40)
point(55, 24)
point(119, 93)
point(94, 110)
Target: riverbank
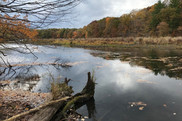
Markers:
point(13, 102)
point(118, 42)
point(60, 104)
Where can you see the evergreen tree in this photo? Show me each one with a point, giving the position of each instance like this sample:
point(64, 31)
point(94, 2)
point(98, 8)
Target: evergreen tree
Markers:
point(175, 21)
point(155, 15)
point(158, 7)
point(175, 4)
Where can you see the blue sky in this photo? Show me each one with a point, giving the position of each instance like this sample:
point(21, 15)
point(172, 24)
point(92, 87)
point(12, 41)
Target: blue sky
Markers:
point(89, 10)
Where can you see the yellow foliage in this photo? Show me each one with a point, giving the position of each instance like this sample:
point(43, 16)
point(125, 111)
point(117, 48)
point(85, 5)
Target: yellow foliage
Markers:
point(152, 8)
point(11, 28)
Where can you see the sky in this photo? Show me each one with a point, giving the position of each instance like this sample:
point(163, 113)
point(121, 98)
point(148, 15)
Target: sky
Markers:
point(90, 10)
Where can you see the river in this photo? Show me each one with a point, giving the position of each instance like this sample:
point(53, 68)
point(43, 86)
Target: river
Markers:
point(132, 84)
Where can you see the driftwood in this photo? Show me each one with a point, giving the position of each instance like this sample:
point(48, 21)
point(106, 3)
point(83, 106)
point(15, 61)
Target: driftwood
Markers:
point(34, 64)
point(40, 64)
point(57, 110)
point(19, 116)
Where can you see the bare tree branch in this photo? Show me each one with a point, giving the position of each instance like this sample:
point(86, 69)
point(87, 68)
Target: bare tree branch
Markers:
point(40, 12)
point(17, 16)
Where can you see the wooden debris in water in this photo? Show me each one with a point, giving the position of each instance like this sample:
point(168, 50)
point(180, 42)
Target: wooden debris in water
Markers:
point(140, 105)
point(141, 108)
point(47, 63)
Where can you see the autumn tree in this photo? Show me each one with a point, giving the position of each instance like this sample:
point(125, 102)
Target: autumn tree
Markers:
point(145, 22)
point(125, 24)
point(111, 28)
point(69, 33)
point(20, 18)
point(15, 30)
point(93, 29)
point(163, 29)
point(107, 28)
point(102, 25)
point(61, 32)
point(179, 30)
point(140, 20)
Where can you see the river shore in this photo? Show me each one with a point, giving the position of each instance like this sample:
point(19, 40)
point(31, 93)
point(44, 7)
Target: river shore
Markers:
point(13, 102)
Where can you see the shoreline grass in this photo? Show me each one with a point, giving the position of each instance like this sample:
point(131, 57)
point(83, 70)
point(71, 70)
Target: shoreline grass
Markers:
point(119, 42)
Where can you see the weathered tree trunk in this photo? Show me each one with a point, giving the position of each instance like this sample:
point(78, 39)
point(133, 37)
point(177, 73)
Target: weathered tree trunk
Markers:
point(47, 113)
point(32, 111)
point(57, 110)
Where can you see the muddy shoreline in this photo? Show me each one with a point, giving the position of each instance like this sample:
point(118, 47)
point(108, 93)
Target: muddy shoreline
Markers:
point(13, 102)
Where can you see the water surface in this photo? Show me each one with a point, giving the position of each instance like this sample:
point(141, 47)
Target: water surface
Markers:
point(130, 86)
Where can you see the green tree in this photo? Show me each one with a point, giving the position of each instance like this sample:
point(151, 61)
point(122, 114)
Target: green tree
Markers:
point(170, 16)
point(155, 15)
point(175, 21)
point(175, 4)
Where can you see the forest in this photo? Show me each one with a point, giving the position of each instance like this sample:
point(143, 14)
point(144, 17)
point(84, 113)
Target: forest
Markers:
point(160, 19)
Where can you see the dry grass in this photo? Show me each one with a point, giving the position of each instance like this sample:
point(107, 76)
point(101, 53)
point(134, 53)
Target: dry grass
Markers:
point(115, 41)
point(60, 90)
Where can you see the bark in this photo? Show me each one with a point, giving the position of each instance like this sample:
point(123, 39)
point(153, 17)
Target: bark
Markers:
point(57, 110)
point(19, 116)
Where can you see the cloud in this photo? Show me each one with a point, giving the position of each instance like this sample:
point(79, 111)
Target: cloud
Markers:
point(89, 10)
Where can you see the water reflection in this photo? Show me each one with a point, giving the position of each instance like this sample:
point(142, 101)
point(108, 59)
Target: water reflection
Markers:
point(122, 78)
point(115, 106)
point(90, 105)
point(163, 62)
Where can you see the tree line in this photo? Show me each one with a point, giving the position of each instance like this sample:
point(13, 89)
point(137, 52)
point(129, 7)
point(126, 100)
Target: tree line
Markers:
point(19, 19)
point(161, 19)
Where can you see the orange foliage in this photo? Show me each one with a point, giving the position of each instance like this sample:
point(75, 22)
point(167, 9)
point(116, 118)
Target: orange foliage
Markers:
point(10, 28)
point(75, 34)
point(86, 34)
point(107, 20)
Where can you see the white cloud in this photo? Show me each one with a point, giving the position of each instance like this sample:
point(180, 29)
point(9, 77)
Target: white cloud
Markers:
point(90, 10)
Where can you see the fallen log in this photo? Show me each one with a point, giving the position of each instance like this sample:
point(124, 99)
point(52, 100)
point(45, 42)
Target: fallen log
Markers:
point(57, 110)
point(34, 64)
point(19, 116)
point(46, 63)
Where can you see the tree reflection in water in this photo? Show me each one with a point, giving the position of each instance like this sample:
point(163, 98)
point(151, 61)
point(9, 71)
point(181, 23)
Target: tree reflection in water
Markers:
point(90, 107)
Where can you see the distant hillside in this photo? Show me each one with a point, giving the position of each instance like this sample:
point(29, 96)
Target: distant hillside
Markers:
point(161, 19)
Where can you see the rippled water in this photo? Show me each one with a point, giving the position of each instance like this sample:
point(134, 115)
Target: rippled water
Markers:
point(124, 91)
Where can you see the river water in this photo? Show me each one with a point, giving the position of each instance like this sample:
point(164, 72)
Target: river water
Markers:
point(132, 85)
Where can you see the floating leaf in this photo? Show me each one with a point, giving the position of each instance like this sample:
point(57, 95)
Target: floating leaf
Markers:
point(141, 108)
